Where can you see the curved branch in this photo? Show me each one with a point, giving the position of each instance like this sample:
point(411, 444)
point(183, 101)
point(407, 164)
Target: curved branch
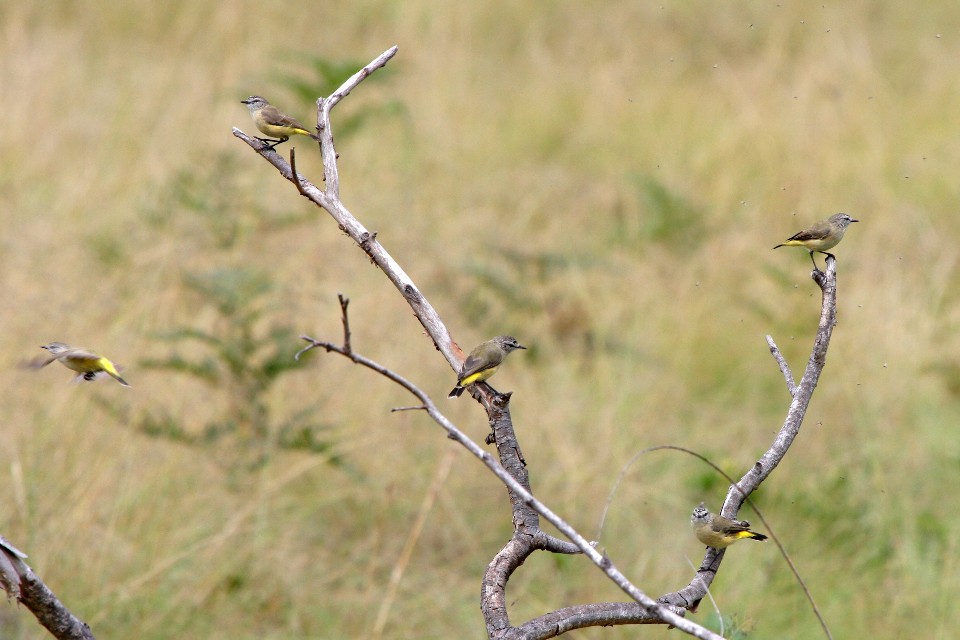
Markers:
point(761, 470)
point(294, 177)
point(801, 397)
point(20, 582)
point(511, 556)
point(600, 614)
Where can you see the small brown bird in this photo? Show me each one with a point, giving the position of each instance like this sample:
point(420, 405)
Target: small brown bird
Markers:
point(483, 362)
point(824, 235)
point(718, 532)
point(272, 122)
point(86, 363)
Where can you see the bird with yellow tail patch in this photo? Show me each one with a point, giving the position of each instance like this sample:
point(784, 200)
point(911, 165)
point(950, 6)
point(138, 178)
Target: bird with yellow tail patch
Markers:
point(483, 362)
point(718, 532)
point(274, 123)
point(823, 235)
point(85, 362)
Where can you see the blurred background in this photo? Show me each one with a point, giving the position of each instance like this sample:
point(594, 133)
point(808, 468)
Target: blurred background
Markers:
point(602, 180)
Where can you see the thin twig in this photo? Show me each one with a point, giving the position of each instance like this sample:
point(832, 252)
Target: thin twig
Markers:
point(344, 90)
point(784, 367)
point(313, 345)
point(344, 302)
point(293, 171)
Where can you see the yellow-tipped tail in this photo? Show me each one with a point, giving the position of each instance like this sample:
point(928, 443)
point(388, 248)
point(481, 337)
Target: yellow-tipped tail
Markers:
point(753, 535)
point(111, 370)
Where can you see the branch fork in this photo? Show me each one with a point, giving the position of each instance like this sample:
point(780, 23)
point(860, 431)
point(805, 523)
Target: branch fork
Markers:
point(511, 468)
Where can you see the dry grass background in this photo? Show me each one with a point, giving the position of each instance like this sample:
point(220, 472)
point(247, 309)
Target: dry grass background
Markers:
point(602, 180)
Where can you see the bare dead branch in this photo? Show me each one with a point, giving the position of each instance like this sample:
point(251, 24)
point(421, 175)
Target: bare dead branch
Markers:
point(653, 609)
point(784, 367)
point(802, 395)
point(512, 469)
point(295, 177)
point(20, 582)
point(761, 470)
point(418, 407)
point(527, 536)
point(330, 202)
point(736, 486)
point(345, 320)
point(602, 614)
point(324, 106)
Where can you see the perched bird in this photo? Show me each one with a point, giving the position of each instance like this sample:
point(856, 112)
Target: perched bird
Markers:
point(483, 362)
point(272, 122)
point(821, 236)
point(86, 362)
point(718, 532)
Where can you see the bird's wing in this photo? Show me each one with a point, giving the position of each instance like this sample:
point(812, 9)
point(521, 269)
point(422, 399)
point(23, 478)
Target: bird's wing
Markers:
point(38, 363)
point(79, 354)
point(818, 231)
point(730, 526)
point(273, 116)
point(293, 122)
point(470, 366)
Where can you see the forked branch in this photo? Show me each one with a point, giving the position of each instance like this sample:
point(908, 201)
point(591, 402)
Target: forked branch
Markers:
point(647, 611)
point(511, 469)
point(801, 394)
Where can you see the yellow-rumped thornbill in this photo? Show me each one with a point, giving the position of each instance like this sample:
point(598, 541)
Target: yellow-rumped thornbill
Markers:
point(718, 532)
point(824, 235)
point(483, 362)
point(85, 362)
point(274, 123)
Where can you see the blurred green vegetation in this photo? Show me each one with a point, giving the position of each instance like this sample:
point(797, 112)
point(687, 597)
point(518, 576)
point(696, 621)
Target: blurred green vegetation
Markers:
point(242, 361)
point(247, 347)
point(604, 181)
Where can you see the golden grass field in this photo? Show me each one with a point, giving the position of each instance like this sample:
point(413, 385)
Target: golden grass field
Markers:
point(603, 180)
